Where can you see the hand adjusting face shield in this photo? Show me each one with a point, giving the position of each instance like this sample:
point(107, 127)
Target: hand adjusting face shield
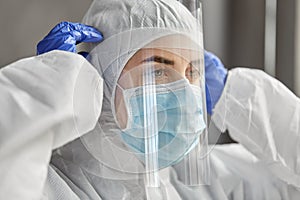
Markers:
point(154, 112)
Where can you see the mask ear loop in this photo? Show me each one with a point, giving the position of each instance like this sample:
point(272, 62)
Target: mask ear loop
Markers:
point(113, 105)
point(126, 94)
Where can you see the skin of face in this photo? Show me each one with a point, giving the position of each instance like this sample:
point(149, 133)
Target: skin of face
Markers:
point(167, 65)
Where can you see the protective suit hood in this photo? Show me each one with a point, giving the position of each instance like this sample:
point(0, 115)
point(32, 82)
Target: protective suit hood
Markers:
point(113, 16)
point(127, 26)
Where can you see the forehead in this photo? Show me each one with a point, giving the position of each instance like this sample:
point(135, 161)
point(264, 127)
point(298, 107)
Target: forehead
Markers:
point(179, 56)
point(177, 47)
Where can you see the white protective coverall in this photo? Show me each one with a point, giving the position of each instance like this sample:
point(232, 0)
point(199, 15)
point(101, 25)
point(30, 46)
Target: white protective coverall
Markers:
point(50, 100)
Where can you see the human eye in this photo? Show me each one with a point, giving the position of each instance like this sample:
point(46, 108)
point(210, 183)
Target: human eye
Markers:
point(158, 72)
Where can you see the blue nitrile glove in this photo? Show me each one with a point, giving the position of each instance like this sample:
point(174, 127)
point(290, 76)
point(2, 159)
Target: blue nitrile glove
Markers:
point(65, 36)
point(215, 78)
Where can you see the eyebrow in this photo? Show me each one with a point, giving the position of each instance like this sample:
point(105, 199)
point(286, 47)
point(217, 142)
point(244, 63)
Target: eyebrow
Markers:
point(159, 59)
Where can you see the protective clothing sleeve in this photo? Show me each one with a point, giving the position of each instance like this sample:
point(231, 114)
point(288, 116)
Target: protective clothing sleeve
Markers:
point(46, 101)
point(264, 116)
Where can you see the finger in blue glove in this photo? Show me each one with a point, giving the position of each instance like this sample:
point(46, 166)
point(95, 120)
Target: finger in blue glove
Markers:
point(215, 78)
point(65, 36)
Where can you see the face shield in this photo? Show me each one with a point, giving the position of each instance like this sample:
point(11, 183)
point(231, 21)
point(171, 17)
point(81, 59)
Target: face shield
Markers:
point(154, 110)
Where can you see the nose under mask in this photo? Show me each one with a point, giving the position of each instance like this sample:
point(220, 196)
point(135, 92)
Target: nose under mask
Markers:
point(172, 113)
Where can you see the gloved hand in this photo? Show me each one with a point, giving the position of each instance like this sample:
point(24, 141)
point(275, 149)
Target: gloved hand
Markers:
point(215, 78)
point(65, 36)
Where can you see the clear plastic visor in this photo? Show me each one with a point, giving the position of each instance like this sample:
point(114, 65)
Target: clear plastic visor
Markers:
point(157, 106)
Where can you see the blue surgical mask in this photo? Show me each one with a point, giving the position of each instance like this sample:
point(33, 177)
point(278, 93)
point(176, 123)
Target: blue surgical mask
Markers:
point(179, 119)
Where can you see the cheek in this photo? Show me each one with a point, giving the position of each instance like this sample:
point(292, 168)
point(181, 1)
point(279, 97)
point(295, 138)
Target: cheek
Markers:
point(120, 109)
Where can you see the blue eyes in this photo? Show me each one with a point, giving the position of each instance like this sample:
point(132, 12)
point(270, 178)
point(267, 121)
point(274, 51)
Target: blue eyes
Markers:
point(158, 72)
point(162, 73)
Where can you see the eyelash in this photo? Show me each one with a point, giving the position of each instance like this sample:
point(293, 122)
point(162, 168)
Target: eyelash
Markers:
point(162, 72)
point(158, 70)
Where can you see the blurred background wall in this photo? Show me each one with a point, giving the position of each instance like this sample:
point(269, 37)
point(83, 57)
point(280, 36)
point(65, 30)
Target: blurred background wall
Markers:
point(24, 23)
point(261, 34)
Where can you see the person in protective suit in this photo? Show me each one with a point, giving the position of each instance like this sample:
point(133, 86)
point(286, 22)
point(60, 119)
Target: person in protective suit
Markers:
point(55, 102)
